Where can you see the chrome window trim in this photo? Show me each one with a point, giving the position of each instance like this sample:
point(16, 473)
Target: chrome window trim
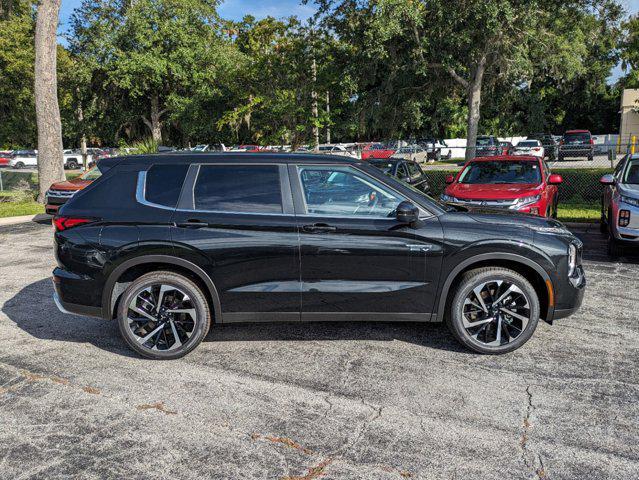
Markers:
point(140, 193)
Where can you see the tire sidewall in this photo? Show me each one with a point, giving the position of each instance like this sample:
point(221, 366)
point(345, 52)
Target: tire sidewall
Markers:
point(466, 287)
point(174, 280)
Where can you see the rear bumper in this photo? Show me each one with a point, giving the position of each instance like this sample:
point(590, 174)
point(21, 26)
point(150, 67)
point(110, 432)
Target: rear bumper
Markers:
point(576, 152)
point(75, 309)
point(65, 288)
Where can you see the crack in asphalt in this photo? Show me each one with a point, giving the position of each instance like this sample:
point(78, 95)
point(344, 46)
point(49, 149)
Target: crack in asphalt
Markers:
point(530, 458)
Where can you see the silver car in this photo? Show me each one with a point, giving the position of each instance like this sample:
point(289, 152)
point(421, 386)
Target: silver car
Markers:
point(620, 204)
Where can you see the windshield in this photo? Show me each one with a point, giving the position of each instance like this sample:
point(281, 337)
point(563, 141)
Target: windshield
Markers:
point(577, 137)
point(91, 174)
point(528, 143)
point(501, 172)
point(384, 165)
point(632, 172)
point(483, 141)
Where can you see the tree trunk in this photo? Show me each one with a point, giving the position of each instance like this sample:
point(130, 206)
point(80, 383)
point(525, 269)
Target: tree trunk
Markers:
point(83, 138)
point(50, 158)
point(328, 117)
point(314, 110)
point(474, 107)
point(156, 125)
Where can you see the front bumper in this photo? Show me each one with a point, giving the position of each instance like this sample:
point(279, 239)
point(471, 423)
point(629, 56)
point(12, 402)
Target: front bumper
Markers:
point(629, 233)
point(575, 287)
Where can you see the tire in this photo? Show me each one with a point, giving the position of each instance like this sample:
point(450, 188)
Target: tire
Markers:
point(162, 346)
point(615, 249)
point(560, 158)
point(496, 281)
point(19, 166)
point(603, 225)
point(591, 158)
point(72, 165)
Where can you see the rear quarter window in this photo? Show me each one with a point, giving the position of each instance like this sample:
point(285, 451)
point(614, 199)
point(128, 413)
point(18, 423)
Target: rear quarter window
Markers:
point(164, 184)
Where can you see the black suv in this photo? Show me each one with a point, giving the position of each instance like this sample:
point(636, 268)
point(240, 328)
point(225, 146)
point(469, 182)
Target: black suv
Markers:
point(169, 244)
point(487, 146)
point(406, 170)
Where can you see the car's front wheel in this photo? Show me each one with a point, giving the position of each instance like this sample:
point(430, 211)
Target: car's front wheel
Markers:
point(163, 315)
point(494, 310)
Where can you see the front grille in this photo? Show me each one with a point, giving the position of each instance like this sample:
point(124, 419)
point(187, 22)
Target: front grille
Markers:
point(61, 193)
point(488, 203)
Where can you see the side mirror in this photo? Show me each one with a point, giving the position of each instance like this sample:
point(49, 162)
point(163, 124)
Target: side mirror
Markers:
point(450, 178)
point(406, 212)
point(607, 179)
point(555, 179)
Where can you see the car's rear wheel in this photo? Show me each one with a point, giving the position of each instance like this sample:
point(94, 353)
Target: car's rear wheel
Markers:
point(163, 315)
point(494, 310)
point(19, 165)
point(72, 165)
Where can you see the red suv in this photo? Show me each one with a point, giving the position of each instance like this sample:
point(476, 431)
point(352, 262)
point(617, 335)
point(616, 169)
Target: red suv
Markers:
point(521, 183)
point(377, 150)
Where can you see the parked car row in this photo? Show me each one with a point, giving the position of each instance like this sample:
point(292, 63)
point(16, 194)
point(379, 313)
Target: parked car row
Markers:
point(573, 144)
point(73, 159)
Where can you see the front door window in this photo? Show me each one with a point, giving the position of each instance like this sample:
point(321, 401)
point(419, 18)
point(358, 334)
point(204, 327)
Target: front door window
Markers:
point(343, 191)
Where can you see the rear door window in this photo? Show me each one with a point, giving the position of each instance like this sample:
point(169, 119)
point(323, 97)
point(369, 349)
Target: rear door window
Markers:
point(164, 184)
point(239, 189)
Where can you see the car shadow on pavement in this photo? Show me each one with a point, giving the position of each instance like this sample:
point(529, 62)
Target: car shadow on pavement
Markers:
point(32, 309)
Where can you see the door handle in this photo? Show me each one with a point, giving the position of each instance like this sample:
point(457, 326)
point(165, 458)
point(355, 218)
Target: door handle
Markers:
point(193, 223)
point(318, 228)
point(420, 248)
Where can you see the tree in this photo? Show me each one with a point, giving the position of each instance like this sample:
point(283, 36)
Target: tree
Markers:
point(50, 160)
point(151, 56)
point(417, 56)
point(630, 52)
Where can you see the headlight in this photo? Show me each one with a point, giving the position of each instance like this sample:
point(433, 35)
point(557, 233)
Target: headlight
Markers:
point(629, 200)
point(447, 198)
point(520, 202)
point(572, 259)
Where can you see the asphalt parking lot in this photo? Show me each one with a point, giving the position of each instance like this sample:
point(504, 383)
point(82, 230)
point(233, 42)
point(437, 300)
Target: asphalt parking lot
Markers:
point(330, 401)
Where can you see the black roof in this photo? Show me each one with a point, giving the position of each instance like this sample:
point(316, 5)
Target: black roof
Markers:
point(221, 157)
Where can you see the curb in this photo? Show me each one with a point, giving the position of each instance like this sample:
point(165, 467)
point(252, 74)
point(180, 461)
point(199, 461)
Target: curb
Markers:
point(23, 219)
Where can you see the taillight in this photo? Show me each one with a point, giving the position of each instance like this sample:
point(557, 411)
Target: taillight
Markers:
point(61, 223)
point(592, 142)
point(536, 149)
